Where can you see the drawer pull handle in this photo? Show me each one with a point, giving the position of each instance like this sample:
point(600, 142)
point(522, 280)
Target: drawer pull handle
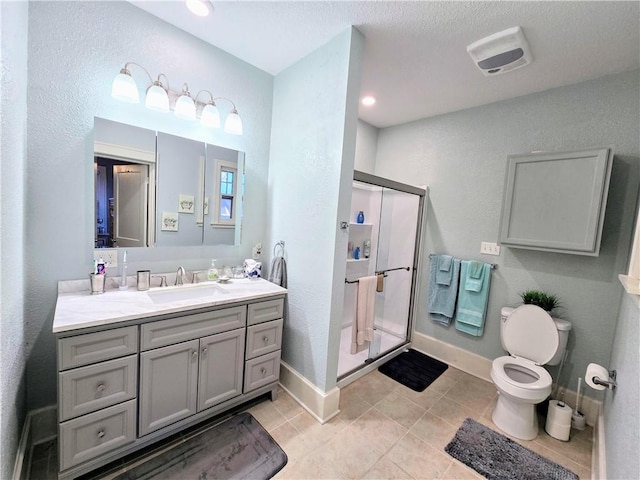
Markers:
point(101, 434)
point(204, 349)
point(102, 387)
point(263, 370)
point(194, 354)
point(265, 339)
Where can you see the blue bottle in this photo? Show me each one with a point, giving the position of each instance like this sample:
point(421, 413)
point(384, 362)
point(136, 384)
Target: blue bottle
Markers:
point(360, 218)
point(356, 253)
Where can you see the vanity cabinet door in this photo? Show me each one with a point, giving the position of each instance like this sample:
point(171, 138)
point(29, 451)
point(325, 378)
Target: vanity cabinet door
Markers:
point(168, 388)
point(221, 362)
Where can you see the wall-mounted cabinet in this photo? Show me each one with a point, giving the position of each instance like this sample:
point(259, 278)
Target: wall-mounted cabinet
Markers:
point(556, 202)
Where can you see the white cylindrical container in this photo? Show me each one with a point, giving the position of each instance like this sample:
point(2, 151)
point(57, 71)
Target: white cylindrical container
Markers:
point(558, 420)
point(595, 370)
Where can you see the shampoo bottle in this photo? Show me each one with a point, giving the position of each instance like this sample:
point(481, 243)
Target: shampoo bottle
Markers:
point(360, 217)
point(212, 273)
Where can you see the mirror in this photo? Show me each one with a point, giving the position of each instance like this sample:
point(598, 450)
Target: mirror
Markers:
point(157, 189)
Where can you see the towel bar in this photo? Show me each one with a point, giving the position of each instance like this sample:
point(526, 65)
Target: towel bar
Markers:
point(493, 266)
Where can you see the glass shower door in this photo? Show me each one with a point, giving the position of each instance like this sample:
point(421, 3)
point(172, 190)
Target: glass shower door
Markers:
point(392, 219)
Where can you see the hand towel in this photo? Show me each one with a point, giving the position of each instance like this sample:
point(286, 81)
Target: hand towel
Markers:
point(362, 330)
point(441, 300)
point(474, 279)
point(444, 273)
point(380, 284)
point(472, 305)
point(278, 271)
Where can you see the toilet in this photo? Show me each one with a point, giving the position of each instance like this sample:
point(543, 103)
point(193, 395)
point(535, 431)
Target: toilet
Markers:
point(533, 339)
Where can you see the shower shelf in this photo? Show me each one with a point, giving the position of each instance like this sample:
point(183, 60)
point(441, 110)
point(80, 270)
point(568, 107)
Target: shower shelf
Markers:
point(362, 224)
point(350, 260)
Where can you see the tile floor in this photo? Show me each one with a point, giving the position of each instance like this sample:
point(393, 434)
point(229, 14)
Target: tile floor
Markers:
point(384, 431)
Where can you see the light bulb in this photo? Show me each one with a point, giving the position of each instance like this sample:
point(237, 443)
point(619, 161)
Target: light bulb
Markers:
point(198, 7)
point(233, 125)
point(210, 116)
point(185, 108)
point(124, 88)
point(157, 98)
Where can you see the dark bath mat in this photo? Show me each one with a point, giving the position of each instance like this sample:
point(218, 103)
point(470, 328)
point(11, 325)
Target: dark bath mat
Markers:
point(500, 458)
point(237, 448)
point(413, 369)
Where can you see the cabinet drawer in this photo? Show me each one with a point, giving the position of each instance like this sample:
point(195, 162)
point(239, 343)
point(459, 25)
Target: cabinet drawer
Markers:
point(190, 327)
point(264, 338)
point(261, 371)
point(96, 347)
point(87, 389)
point(265, 311)
point(92, 435)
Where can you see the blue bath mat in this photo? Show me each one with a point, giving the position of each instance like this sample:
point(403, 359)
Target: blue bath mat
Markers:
point(499, 458)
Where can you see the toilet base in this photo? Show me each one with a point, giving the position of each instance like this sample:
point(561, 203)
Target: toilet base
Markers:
point(517, 419)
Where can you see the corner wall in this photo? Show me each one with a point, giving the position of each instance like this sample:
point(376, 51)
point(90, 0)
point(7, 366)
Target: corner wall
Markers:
point(621, 423)
point(75, 51)
point(13, 157)
point(310, 176)
point(462, 157)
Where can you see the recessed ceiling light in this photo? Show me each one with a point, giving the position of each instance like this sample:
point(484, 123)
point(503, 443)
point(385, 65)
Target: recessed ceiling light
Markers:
point(368, 101)
point(202, 8)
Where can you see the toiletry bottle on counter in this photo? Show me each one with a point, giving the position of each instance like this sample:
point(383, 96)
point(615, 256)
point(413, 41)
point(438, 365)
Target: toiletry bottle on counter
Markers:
point(366, 251)
point(356, 253)
point(360, 217)
point(123, 276)
point(212, 273)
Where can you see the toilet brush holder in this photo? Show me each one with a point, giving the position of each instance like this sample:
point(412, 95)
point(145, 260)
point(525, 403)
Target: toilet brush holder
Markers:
point(578, 421)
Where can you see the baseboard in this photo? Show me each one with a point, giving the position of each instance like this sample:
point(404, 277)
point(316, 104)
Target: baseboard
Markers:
point(39, 426)
point(322, 405)
point(451, 355)
point(480, 367)
point(598, 452)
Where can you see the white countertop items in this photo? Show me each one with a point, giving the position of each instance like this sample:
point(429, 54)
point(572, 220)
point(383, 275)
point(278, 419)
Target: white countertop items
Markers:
point(79, 309)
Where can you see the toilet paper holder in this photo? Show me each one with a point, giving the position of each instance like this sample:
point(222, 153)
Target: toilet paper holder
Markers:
point(610, 384)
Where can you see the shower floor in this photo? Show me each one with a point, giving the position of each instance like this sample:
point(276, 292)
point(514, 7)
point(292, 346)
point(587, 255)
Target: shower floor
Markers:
point(348, 362)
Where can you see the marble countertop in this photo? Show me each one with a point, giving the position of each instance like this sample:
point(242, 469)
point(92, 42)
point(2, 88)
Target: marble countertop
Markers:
point(79, 309)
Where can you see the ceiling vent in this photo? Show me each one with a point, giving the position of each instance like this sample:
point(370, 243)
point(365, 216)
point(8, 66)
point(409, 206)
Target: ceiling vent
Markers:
point(501, 52)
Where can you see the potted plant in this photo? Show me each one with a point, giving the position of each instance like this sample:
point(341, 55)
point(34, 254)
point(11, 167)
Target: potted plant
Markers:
point(543, 300)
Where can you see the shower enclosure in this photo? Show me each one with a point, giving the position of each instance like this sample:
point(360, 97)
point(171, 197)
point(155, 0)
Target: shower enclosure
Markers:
point(387, 244)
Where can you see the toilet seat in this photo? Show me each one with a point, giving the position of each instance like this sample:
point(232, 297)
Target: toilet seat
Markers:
point(531, 333)
point(535, 391)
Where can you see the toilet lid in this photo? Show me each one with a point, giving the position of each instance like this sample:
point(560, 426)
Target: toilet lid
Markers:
point(530, 332)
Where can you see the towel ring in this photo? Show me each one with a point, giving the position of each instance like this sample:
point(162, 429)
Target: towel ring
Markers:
point(275, 248)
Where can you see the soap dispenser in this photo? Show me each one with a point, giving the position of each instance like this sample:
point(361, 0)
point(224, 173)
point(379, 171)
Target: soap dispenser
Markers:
point(212, 273)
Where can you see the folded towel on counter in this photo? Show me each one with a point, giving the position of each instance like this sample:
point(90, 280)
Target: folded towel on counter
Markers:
point(472, 304)
point(475, 278)
point(278, 272)
point(441, 299)
point(362, 329)
point(444, 273)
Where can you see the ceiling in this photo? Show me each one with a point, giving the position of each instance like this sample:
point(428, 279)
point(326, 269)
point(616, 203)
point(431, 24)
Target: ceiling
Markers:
point(415, 63)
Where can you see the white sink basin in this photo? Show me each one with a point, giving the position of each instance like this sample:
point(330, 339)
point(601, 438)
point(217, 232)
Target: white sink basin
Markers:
point(186, 293)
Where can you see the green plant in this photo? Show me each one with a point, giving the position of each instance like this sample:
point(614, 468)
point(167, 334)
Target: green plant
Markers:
point(543, 300)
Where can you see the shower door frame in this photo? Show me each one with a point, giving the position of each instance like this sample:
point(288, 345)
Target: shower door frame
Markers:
point(422, 193)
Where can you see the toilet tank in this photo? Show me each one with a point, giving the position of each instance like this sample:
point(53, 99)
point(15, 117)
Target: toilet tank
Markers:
point(563, 326)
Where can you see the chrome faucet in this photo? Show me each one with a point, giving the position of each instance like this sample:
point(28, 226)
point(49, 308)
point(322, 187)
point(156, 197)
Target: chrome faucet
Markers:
point(180, 274)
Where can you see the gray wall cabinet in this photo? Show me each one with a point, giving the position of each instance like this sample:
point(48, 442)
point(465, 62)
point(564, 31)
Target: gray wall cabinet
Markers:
point(556, 201)
point(124, 388)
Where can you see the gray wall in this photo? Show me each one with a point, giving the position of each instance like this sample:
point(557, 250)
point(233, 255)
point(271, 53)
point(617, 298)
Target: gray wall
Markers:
point(13, 155)
point(75, 51)
point(622, 424)
point(310, 173)
point(366, 144)
point(462, 158)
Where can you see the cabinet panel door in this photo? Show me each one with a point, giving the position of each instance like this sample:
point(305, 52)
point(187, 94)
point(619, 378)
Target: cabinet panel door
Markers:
point(168, 387)
point(261, 371)
point(221, 363)
point(263, 338)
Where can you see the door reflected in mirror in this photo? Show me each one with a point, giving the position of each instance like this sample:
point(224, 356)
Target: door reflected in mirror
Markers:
point(157, 189)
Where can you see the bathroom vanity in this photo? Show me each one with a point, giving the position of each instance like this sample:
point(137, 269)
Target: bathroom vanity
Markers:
point(135, 367)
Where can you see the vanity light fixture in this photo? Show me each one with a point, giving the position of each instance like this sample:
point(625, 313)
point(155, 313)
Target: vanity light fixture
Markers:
point(368, 101)
point(163, 99)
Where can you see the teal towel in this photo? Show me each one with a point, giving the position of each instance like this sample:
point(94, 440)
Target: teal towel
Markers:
point(444, 273)
point(472, 305)
point(475, 278)
point(441, 299)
